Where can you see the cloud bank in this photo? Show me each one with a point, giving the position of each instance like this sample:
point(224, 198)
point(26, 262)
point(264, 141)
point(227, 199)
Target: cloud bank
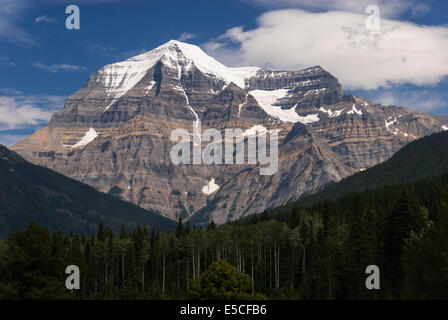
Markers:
point(399, 52)
point(389, 8)
point(45, 19)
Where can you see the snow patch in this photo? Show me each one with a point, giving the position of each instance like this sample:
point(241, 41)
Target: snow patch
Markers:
point(242, 105)
point(110, 104)
point(88, 137)
point(151, 85)
point(314, 91)
point(337, 113)
point(267, 98)
point(354, 110)
point(389, 123)
point(445, 128)
point(211, 187)
point(331, 114)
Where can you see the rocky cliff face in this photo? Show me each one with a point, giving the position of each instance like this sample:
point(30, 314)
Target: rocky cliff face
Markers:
point(114, 133)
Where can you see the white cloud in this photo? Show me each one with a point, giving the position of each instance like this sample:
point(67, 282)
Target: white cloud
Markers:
point(400, 52)
point(19, 111)
point(186, 36)
point(11, 14)
point(58, 67)
point(13, 113)
point(45, 19)
point(388, 8)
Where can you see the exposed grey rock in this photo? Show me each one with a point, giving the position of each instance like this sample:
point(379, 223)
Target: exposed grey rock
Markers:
point(133, 107)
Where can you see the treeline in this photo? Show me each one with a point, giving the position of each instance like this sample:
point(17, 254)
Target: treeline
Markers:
point(317, 252)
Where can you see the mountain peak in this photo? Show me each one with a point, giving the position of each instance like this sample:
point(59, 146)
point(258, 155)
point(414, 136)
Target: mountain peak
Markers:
point(177, 85)
point(206, 64)
point(174, 42)
point(170, 46)
point(122, 76)
point(118, 78)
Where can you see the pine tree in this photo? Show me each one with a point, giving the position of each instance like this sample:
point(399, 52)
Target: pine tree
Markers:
point(405, 216)
point(426, 261)
point(179, 228)
point(211, 226)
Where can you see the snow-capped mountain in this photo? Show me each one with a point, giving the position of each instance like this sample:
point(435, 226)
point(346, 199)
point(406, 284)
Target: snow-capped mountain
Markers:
point(114, 133)
point(119, 78)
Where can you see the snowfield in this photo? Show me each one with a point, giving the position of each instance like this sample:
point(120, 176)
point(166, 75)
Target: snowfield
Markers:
point(267, 98)
point(118, 78)
point(88, 138)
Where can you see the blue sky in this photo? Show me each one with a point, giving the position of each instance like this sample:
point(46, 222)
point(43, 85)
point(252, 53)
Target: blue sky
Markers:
point(42, 62)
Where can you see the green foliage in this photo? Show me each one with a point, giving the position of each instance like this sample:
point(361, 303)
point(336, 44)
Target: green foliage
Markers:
point(31, 259)
point(426, 261)
point(386, 226)
point(222, 281)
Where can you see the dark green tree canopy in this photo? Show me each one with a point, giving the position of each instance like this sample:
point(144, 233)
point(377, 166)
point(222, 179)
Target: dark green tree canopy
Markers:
point(222, 281)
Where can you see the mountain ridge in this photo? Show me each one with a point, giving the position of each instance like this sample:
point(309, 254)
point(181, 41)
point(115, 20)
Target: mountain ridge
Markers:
point(113, 133)
point(423, 158)
point(29, 192)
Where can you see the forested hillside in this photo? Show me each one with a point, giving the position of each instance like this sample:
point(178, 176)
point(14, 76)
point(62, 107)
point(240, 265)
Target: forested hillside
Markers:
point(317, 252)
point(426, 157)
point(29, 192)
